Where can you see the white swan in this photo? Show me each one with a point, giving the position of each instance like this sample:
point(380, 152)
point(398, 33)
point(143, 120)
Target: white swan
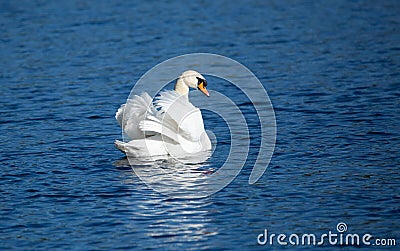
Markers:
point(169, 126)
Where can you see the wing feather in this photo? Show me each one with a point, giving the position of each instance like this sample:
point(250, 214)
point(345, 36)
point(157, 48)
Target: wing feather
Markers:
point(171, 115)
point(132, 112)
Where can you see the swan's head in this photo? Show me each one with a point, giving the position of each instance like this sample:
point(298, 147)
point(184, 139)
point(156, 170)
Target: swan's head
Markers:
point(195, 80)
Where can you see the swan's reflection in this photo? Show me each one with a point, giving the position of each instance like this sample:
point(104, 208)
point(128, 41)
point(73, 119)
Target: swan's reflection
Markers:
point(174, 219)
point(176, 177)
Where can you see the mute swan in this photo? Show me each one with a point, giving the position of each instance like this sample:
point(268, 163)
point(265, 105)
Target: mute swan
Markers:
point(170, 125)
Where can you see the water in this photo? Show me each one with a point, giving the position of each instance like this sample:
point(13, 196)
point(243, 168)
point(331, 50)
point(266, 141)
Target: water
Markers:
point(332, 70)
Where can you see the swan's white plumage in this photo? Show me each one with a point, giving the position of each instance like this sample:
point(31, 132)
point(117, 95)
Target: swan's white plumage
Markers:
point(170, 125)
point(132, 112)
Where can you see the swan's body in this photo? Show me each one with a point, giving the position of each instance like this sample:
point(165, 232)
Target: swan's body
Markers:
point(170, 125)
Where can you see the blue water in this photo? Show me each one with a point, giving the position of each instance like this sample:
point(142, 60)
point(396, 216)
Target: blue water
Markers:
point(332, 71)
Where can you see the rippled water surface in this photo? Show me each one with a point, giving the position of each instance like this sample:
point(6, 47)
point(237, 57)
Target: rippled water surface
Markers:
point(332, 71)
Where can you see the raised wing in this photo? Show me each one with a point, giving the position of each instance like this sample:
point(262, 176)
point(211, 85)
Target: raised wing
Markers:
point(176, 117)
point(135, 110)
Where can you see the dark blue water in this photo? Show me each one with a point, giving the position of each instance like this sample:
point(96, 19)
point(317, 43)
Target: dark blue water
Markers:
point(331, 68)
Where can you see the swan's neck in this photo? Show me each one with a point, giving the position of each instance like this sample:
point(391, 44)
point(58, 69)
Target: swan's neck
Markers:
point(181, 87)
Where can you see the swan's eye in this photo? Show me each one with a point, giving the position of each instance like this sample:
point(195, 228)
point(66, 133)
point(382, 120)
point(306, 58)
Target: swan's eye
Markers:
point(201, 81)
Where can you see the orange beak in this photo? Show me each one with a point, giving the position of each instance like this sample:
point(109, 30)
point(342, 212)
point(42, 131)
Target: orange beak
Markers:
point(203, 89)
